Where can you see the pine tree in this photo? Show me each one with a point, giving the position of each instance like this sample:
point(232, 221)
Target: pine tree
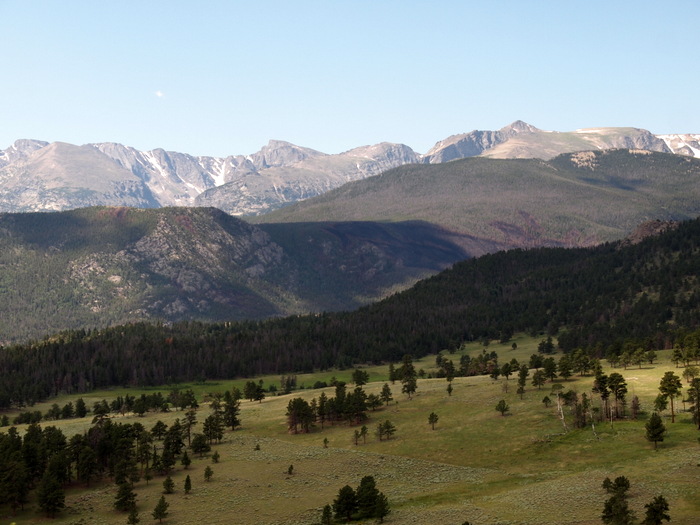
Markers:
point(186, 461)
point(670, 386)
point(168, 485)
point(381, 507)
point(385, 394)
point(432, 419)
point(327, 515)
point(133, 518)
point(161, 510)
point(502, 407)
point(126, 497)
point(657, 511)
point(14, 483)
point(616, 510)
point(345, 504)
point(655, 429)
point(208, 473)
point(366, 497)
point(188, 484)
point(50, 495)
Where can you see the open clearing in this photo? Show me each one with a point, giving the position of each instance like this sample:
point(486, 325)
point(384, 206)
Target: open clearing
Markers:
point(476, 466)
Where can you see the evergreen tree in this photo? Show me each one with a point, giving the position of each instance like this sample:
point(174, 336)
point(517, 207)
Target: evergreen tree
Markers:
point(657, 511)
point(232, 411)
point(80, 408)
point(168, 485)
point(133, 518)
point(215, 457)
point(185, 460)
point(188, 484)
point(564, 367)
point(161, 509)
point(694, 399)
point(385, 429)
point(363, 433)
point(360, 377)
point(502, 407)
point(208, 473)
point(366, 497)
point(522, 378)
point(189, 422)
point(385, 394)
point(327, 515)
point(381, 506)
point(549, 367)
point(618, 389)
point(409, 376)
point(159, 429)
point(50, 495)
point(538, 379)
point(213, 428)
point(655, 429)
point(670, 387)
point(14, 483)
point(616, 510)
point(125, 499)
point(200, 445)
point(432, 419)
point(345, 504)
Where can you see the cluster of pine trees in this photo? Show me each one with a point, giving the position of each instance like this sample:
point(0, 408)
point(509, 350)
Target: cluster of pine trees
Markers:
point(45, 461)
point(365, 502)
point(350, 407)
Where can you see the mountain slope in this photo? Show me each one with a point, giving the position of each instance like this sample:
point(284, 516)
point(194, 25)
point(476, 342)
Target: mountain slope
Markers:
point(578, 199)
point(62, 176)
point(546, 145)
point(102, 266)
point(600, 299)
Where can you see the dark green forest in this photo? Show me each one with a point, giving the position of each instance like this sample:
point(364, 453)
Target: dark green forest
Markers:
point(597, 299)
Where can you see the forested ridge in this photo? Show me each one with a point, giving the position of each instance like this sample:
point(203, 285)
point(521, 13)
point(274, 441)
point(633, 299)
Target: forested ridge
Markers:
point(597, 299)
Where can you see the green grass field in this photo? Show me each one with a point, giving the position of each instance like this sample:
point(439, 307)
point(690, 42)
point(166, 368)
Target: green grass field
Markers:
point(476, 466)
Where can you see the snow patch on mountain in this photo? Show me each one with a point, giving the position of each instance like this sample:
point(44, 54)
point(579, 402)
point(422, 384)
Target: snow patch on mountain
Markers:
point(688, 144)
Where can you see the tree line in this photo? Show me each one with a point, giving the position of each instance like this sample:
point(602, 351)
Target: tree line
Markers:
point(603, 301)
point(44, 461)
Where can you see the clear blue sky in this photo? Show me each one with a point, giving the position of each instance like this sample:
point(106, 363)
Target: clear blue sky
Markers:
point(219, 78)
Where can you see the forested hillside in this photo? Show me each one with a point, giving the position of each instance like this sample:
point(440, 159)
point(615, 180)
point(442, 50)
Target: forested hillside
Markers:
point(645, 294)
point(97, 267)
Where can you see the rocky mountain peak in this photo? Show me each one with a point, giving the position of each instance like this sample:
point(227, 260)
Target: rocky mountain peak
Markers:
point(279, 153)
point(519, 127)
point(20, 150)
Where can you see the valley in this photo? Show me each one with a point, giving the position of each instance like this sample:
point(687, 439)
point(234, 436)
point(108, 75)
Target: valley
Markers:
point(476, 466)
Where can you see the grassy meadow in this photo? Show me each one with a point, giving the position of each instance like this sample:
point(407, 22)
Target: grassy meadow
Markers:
point(476, 466)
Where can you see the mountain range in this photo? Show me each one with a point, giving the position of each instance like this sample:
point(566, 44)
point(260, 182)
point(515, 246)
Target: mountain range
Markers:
point(38, 176)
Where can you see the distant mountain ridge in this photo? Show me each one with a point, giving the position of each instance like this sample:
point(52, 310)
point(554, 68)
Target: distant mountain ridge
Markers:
point(38, 176)
point(574, 199)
